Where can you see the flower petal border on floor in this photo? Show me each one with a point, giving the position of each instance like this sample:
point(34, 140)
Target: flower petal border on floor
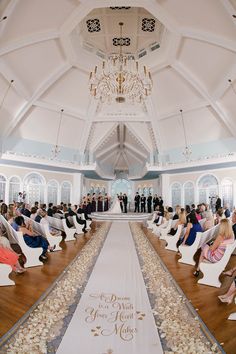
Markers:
point(42, 330)
point(180, 327)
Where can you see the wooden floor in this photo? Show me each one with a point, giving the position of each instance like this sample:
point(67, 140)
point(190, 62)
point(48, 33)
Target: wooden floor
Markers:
point(16, 300)
point(204, 298)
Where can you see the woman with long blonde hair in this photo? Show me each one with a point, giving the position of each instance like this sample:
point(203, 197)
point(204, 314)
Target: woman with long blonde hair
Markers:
point(215, 252)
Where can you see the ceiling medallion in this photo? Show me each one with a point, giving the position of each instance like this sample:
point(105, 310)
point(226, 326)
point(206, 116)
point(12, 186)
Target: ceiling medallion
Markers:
point(120, 7)
point(93, 25)
point(120, 79)
point(148, 24)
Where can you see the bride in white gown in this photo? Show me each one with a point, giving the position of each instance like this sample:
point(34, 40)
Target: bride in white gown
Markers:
point(115, 209)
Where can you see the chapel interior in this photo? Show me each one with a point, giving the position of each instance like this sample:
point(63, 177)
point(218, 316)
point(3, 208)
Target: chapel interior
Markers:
point(172, 132)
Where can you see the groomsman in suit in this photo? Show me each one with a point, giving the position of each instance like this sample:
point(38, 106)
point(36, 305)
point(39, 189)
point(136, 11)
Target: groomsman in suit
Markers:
point(149, 203)
point(125, 202)
point(137, 203)
point(143, 204)
point(121, 201)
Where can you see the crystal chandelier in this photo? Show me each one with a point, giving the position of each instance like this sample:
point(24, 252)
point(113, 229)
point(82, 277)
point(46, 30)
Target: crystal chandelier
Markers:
point(187, 150)
point(120, 78)
point(56, 149)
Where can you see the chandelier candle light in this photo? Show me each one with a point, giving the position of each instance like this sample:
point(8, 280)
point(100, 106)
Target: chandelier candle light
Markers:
point(187, 150)
point(56, 149)
point(120, 78)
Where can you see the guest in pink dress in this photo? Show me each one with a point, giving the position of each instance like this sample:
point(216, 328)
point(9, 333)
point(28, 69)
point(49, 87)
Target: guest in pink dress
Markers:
point(8, 256)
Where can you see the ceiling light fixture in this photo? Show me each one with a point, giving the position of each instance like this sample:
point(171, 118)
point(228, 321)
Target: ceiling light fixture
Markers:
point(120, 79)
point(5, 94)
point(56, 149)
point(232, 86)
point(187, 150)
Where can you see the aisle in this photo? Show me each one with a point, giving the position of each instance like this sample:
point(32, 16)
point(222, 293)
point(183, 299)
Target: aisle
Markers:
point(114, 314)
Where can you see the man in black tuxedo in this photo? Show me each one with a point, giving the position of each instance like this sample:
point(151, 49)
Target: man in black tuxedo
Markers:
point(149, 203)
point(218, 203)
point(121, 201)
point(125, 202)
point(137, 203)
point(143, 204)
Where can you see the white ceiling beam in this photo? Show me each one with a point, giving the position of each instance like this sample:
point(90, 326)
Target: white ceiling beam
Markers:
point(134, 156)
point(108, 153)
point(28, 40)
point(186, 108)
point(7, 12)
point(224, 84)
point(56, 108)
point(9, 75)
point(107, 150)
point(226, 122)
point(37, 94)
point(135, 151)
point(211, 38)
point(154, 117)
point(230, 9)
point(105, 136)
point(138, 136)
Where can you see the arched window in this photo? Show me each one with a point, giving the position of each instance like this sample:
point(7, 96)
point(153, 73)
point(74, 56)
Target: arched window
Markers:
point(227, 193)
point(176, 194)
point(52, 189)
point(207, 188)
point(34, 185)
point(14, 189)
point(188, 193)
point(65, 192)
point(2, 187)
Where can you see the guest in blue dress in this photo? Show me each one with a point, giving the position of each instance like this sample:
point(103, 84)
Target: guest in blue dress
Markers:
point(191, 230)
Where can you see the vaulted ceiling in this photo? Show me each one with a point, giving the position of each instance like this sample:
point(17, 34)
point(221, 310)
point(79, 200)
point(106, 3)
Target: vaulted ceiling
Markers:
point(49, 48)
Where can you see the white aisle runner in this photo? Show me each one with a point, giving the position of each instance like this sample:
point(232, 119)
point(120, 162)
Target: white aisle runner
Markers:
point(114, 315)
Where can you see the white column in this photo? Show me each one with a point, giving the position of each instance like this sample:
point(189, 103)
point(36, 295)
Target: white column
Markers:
point(165, 188)
point(77, 188)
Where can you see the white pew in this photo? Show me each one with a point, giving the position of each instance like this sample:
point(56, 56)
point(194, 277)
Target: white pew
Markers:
point(165, 231)
point(188, 252)
point(157, 230)
point(232, 316)
point(201, 222)
point(43, 229)
point(32, 254)
point(89, 222)
point(212, 271)
point(5, 270)
point(172, 240)
point(78, 226)
point(60, 224)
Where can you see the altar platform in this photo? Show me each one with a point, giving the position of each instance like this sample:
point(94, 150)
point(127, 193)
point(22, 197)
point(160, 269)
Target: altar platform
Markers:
point(106, 216)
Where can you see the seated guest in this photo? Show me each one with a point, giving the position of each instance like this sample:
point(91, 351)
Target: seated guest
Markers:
point(31, 239)
point(56, 213)
point(198, 214)
point(49, 211)
point(33, 213)
point(191, 230)
point(44, 221)
point(170, 211)
point(163, 225)
point(230, 294)
point(81, 210)
point(188, 209)
point(219, 216)
point(227, 211)
point(71, 213)
point(216, 251)
point(209, 223)
point(180, 221)
point(25, 210)
point(177, 212)
point(8, 256)
point(234, 223)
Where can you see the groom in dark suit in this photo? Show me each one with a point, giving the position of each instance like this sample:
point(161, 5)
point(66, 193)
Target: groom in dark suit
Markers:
point(125, 201)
